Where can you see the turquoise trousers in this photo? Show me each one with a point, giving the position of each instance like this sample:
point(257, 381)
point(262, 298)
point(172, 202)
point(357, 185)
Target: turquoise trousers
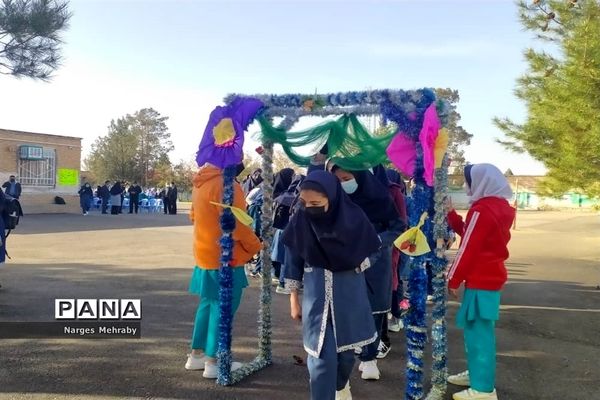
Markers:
point(206, 325)
point(477, 316)
point(205, 284)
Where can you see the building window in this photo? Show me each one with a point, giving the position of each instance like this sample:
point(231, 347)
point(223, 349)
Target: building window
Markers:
point(39, 172)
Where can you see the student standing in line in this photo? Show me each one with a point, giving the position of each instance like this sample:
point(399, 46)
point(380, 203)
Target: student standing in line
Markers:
point(479, 264)
point(208, 188)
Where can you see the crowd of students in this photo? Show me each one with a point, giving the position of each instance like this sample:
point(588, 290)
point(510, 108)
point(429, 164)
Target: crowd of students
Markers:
point(334, 234)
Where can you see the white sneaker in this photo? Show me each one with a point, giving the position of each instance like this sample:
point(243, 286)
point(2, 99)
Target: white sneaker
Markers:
point(395, 325)
point(283, 290)
point(383, 350)
point(344, 394)
point(461, 379)
point(369, 370)
point(195, 363)
point(275, 281)
point(211, 370)
point(471, 394)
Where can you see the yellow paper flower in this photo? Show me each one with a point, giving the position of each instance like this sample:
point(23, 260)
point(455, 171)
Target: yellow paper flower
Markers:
point(413, 242)
point(238, 213)
point(224, 132)
point(441, 144)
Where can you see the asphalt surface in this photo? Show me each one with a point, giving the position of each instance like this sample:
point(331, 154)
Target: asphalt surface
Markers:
point(548, 334)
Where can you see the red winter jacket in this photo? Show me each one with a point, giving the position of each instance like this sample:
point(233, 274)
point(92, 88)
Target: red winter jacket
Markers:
point(483, 248)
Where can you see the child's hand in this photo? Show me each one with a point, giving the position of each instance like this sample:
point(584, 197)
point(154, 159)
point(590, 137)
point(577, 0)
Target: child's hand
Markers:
point(448, 204)
point(453, 293)
point(295, 307)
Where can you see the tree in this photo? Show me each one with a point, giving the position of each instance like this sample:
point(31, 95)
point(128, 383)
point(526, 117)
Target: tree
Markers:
point(561, 90)
point(161, 172)
point(281, 161)
point(459, 137)
point(135, 149)
point(183, 176)
point(153, 139)
point(30, 37)
point(113, 156)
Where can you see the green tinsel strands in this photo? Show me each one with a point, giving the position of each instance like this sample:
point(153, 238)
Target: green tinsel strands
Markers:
point(351, 144)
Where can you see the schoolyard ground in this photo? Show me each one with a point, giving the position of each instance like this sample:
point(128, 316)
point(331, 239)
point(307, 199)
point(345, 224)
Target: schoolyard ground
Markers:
point(548, 334)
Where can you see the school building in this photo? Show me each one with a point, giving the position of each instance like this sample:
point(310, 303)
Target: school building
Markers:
point(46, 166)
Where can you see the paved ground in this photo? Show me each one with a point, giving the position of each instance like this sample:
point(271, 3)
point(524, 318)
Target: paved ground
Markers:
point(548, 336)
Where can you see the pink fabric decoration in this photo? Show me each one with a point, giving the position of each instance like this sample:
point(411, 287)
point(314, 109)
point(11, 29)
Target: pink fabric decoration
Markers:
point(403, 154)
point(429, 132)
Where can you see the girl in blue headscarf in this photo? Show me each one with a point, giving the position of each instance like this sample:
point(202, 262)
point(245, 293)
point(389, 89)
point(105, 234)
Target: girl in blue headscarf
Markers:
point(329, 241)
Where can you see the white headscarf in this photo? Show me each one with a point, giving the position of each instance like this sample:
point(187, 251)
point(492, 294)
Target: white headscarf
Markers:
point(488, 181)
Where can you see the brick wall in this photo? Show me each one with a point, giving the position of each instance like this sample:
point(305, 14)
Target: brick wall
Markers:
point(40, 199)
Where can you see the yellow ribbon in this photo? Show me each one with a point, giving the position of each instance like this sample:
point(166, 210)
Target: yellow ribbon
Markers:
point(441, 144)
point(238, 213)
point(413, 242)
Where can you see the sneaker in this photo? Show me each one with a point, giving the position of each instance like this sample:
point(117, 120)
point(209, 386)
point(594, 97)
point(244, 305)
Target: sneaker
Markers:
point(461, 379)
point(211, 370)
point(283, 290)
point(344, 394)
point(195, 363)
point(275, 280)
point(383, 350)
point(471, 394)
point(395, 325)
point(369, 370)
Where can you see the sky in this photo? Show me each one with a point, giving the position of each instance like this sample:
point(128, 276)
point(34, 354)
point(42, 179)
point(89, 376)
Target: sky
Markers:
point(182, 57)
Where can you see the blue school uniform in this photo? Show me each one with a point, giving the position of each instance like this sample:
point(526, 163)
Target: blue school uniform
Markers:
point(335, 318)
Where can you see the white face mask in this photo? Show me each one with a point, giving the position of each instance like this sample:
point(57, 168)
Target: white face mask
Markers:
point(350, 186)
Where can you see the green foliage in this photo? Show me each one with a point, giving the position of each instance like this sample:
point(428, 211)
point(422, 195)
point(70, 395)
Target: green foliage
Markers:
point(135, 149)
point(30, 37)
point(561, 90)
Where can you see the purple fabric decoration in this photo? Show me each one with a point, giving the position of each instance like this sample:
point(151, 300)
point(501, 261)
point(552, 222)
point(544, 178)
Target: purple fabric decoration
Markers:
point(234, 118)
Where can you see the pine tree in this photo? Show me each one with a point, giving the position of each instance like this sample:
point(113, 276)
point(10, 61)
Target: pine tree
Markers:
point(561, 90)
point(30, 37)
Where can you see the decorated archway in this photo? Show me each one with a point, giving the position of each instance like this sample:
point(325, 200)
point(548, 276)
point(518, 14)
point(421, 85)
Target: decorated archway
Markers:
point(413, 138)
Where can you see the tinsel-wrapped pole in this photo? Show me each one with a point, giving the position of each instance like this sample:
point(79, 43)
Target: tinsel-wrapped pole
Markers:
point(416, 332)
point(439, 373)
point(264, 328)
point(226, 280)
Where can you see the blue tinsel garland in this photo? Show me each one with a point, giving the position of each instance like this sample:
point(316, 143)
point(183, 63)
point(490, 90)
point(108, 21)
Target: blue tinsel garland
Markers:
point(226, 281)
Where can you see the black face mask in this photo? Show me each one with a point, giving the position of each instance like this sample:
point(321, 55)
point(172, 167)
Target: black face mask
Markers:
point(315, 212)
point(12, 180)
point(239, 169)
